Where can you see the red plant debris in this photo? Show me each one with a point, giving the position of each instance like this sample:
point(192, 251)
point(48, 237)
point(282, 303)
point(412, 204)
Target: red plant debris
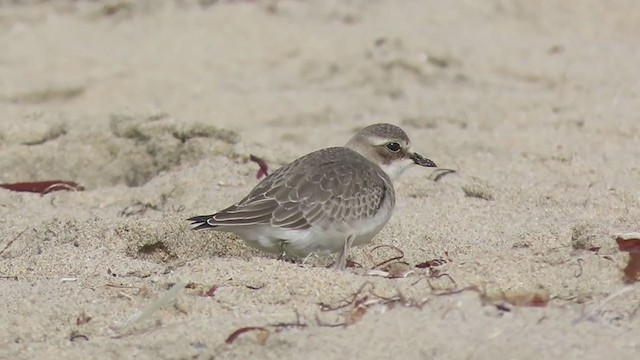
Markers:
point(264, 168)
point(431, 263)
point(210, 293)
point(263, 332)
point(43, 187)
point(630, 243)
point(595, 249)
point(82, 319)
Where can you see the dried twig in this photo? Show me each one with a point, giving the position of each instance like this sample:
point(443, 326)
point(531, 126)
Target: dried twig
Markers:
point(578, 272)
point(290, 325)
point(156, 305)
point(395, 258)
point(264, 332)
point(325, 307)
point(123, 286)
point(12, 240)
point(438, 174)
point(234, 335)
point(435, 276)
point(361, 302)
point(75, 336)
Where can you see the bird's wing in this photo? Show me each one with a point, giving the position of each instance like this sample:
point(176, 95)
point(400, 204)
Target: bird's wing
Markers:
point(317, 189)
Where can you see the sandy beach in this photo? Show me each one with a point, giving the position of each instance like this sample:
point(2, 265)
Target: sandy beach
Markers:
point(155, 106)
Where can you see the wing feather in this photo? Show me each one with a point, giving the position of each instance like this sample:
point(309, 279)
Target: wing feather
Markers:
point(334, 184)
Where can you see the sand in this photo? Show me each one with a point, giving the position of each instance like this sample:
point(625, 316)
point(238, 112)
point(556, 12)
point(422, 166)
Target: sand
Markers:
point(155, 106)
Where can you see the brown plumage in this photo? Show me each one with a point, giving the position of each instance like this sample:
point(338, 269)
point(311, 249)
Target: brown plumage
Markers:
point(325, 201)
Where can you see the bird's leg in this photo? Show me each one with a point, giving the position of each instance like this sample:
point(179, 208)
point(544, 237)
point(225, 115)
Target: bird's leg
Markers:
point(283, 252)
point(341, 263)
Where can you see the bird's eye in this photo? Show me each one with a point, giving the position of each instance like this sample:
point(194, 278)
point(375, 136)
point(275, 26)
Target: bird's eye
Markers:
point(393, 146)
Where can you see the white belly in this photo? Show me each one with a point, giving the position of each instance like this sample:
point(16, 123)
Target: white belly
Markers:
point(301, 243)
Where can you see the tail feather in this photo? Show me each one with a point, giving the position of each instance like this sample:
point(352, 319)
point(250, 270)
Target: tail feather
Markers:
point(201, 221)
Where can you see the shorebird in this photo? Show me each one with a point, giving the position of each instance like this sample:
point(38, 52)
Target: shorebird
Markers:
point(324, 202)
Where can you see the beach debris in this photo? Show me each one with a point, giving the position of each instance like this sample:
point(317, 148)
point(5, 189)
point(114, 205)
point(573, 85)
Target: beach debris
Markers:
point(122, 294)
point(430, 264)
point(595, 249)
point(261, 337)
point(82, 319)
point(387, 261)
point(264, 168)
point(68, 279)
point(356, 307)
point(578, 271)
point(350, 264)
point(263, 332)
point(630, 243)
point(438, 174)
point(211, 292)
point(12, 241)
point(76, 336)
point(394, 270)
point(362, 301)
point(117, 286)
point(43, 187)
point(365, 299)
point(588, 236)
point(140, 207)
point(165, 299)
point(516, 298)
point(435, 274)
point(289, 325)
point(390, 268)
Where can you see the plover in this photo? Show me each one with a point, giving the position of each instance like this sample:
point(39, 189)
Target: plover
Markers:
point(324, 202)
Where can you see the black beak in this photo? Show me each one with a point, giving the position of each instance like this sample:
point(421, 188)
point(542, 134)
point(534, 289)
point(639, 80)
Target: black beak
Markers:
point(422, 161)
